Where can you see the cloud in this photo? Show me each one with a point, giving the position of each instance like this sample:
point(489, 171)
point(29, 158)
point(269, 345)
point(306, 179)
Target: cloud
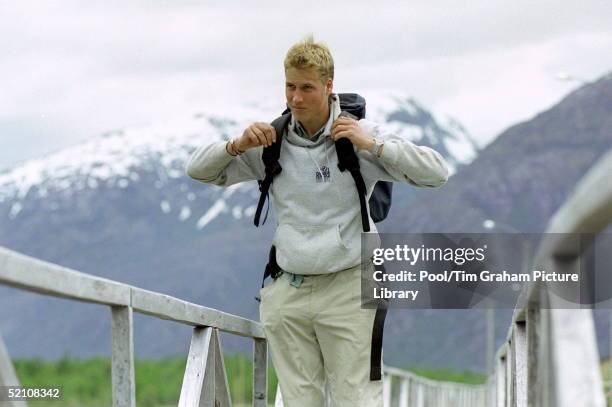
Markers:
point(90, 66)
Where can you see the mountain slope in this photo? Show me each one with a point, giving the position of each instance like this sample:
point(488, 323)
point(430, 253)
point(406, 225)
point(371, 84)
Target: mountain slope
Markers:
point(526, 173)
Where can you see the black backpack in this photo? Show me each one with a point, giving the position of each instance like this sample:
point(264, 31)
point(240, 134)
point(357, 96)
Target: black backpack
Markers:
point(354, 106)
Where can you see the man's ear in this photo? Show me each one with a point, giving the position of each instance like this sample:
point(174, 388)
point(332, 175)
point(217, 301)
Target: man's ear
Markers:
point(329, 87)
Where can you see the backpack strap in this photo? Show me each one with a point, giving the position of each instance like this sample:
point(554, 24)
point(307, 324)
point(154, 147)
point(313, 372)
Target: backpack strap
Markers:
point(376, 344)
point(347, 160)
point(378, 327)
point(272, 268)
point(270, 156)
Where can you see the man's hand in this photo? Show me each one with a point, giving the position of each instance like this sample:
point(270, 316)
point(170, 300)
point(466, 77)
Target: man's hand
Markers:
point(257, 134)
point(349, 128)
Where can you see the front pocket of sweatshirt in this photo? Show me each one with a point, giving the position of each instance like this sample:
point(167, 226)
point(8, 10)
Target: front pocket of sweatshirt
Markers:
point(310, 249)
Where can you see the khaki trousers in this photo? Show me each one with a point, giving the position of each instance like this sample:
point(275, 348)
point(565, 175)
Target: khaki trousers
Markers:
point(317, 332)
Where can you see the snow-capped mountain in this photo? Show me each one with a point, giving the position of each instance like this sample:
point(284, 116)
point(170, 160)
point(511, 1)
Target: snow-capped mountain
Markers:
point(158, 152)
point(406, 117)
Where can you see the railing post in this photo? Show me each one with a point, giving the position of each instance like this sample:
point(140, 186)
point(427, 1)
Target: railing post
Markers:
point(519, 344)
point(577, 375)
point(443, 397)
point(532, 316)
point(500, 382)
point(222, 394)
point(205, 379)
point(8, 377)
point(386, 390)
point(490, 397)
point(207, 389)
point(404, 391)
point(545, 392)
point(510, 375)
point(199, 380)
point(260, 373)
point(420, 395)
point(123, 381)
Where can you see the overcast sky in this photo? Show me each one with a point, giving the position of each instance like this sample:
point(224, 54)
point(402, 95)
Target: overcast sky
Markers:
point(71, 70)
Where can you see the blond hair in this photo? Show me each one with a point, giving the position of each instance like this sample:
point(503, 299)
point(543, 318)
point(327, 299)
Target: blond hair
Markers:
point(310, 54)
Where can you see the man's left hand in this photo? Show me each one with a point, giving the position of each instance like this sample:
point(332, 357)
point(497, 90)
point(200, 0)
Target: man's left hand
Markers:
point(349, 128)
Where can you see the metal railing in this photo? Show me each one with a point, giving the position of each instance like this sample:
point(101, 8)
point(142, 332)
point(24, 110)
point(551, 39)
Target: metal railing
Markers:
point(401, 388)
point(404, 388)
point(205, 378)
point(550, 355)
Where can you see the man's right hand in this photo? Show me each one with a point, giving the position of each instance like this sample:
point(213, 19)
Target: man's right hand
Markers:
point(257, 134)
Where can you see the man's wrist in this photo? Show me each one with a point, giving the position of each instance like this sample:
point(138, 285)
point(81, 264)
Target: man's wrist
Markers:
point(232, 149)
point(237, 146)
point(229, 150)
point(376, 147)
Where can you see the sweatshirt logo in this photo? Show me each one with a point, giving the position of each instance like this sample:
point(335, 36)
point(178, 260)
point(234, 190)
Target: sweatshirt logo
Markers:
point(323, 175)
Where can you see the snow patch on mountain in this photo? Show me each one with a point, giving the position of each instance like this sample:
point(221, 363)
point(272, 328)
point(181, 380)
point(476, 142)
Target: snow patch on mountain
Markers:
point(215, 210)
point(165, 206)
point(15, 209)
point(237, 212)
point(250, 211)
point(406, 117)
point(117, 155)
point(185, 213)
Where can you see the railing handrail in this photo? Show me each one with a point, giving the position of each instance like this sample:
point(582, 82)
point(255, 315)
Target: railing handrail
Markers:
point(588, 210)
point(205, 368)
point(394, 371)
point(31, 274)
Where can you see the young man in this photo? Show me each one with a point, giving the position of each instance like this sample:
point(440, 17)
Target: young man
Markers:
point(312, 313)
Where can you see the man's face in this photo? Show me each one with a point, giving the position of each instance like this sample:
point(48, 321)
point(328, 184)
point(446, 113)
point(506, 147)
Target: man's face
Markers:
point(307, 96)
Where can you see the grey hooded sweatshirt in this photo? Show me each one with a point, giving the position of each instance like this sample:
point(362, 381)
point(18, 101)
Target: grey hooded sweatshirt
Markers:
point(317, 207)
